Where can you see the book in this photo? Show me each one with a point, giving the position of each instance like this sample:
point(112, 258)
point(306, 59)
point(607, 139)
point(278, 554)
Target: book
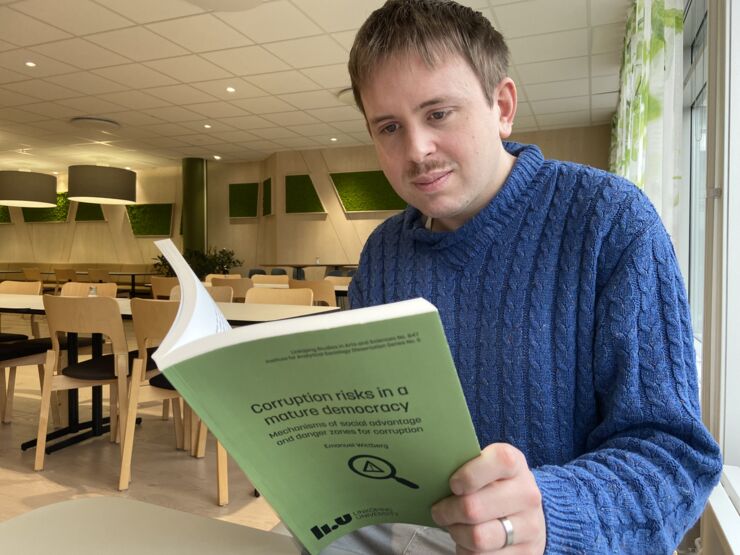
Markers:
point(340, 420)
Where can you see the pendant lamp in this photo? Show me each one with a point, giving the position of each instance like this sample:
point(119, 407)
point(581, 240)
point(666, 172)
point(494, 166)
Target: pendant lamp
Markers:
point(101, 185)
point(28, 189)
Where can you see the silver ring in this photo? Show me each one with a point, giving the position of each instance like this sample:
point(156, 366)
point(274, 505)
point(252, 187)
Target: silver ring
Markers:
point(509, 529)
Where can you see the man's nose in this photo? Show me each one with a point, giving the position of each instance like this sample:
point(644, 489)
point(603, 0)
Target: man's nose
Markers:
point(420, 143)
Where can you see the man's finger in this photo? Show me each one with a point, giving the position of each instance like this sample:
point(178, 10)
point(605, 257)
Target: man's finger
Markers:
point(496, 500)
point(498, 461)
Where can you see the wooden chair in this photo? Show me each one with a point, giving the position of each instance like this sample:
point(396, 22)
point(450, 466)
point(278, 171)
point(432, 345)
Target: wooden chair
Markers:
point(264, 280)
point(269, 295)
point(339, 280)
point(83, 289)
point(20, 288)
point(64, 275)
point(96, 275)
point(323, 291)
point(12, 355)
point(210, 277)
point(84, 315)
point(221, 294)
point(162, 286)
point(239, 286)
point(34, 274)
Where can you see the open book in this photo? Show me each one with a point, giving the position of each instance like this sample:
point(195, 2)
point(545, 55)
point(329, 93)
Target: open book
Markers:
point(340, 420)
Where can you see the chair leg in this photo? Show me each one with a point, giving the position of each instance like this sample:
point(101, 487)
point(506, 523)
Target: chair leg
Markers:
point(113, 409)
point(222, 474)
point(9, 394)
point(55, 416)
point(38, 463)
point(166, 409)
point(187, 424)
point(200, 448)
point(127, 445)
point(177, 417)
point(3, 394)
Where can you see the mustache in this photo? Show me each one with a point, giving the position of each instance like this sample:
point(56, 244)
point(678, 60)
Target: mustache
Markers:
point(415, 170)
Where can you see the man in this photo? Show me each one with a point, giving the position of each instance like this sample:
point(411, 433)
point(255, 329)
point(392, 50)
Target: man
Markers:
point(560, 296)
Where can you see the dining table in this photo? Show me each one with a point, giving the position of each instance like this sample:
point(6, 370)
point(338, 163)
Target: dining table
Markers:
point(74, 432)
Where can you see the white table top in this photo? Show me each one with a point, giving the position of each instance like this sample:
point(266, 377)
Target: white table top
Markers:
point(234, 312)
point(119, 526)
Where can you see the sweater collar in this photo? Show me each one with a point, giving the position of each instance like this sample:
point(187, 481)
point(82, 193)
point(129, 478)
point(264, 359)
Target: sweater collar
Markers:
point(491, 223)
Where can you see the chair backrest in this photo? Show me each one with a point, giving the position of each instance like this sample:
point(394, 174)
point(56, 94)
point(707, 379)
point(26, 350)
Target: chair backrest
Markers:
point(152, 320)
point(98, 275)
point(64, 275)
point(323, 291)
point(338, 280)
point(162, 286)
point(267, 295)
point(210, 277)
point(255, 271)
point(32, 274)
point(21, 287)
point(260, 279)
point(220, 294)
point(85, 315)
point(239, 286)
point(278, 272)
point(82, 289)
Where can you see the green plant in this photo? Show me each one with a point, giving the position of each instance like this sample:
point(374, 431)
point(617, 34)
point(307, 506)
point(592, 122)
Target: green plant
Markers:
point(213, 261)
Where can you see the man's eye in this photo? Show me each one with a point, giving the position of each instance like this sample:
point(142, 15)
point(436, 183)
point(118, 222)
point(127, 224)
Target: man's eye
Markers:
point(389, 129)
point(438, 115)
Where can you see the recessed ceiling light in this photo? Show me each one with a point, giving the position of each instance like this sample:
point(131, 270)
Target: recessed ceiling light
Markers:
point(207, 125)
point(55, 173)
point(230, 89)
point(216, 157)
point(333, 139)
point(128, 167)
point(30, 64)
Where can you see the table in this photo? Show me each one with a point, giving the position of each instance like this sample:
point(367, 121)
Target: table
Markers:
point(133, 278)
point(235, 313)
point(119, 526)
point(300, 267)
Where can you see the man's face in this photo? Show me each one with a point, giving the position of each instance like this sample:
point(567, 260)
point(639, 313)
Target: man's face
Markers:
point(437, 139)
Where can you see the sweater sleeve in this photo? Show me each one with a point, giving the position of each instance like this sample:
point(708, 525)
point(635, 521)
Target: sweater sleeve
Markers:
point(650, 463)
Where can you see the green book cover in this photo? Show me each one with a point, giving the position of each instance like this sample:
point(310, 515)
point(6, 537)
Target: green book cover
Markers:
point(340, 420)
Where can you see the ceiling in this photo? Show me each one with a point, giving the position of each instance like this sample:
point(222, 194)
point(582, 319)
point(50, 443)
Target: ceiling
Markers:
point(161, 68)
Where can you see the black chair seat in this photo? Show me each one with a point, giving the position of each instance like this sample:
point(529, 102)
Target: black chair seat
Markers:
point(102, 368)
point(17, 349)
point(12, 337)
point(161, 381)
point(45, 342)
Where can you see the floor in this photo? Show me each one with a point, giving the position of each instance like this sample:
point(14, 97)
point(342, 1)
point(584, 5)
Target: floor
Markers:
point(160, 474)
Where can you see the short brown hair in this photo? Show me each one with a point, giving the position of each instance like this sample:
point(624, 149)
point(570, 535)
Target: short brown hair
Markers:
point(430, 29)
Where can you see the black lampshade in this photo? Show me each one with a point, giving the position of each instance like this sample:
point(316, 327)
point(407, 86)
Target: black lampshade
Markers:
point(101, 185)
point(28, 189)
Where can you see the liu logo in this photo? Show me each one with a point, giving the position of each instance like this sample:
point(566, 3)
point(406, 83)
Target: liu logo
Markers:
point(322, 530)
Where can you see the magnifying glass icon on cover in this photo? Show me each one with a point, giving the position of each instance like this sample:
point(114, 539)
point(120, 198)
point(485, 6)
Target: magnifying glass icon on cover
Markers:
point(370, 466)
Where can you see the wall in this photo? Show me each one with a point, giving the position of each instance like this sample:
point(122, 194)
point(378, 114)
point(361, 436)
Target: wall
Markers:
point(586, 145)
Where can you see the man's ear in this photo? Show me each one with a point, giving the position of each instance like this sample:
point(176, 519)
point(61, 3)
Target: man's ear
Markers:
point(506, 102)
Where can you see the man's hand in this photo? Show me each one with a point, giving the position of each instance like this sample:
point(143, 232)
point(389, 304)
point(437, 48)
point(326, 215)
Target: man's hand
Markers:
point(497, 484)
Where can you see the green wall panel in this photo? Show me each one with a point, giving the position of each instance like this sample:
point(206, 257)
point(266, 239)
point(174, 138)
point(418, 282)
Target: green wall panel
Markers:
point(150, 219)
point(300, 195)
point(57, 214)
point(243, 200)
point(267, 197)
point(4, 215)
point(89, 212)
point(366, 191)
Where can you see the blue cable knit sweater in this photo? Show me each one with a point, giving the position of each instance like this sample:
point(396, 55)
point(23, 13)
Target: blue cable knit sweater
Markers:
point(568, 322)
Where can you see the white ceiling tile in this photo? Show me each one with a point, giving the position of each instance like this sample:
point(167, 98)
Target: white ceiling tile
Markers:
point(136, 76)
point(173, 114)
point(259, 23)
point(333, 76)
point(312, 99)
point(133, 117)
point(37, 88)
point(51, 110)
point(146, 11)
point(249, 122)
point(217, 88)
point(568, 119)
point(181, 94)
point(275, 133)
point(554, 70)
point(290, 118)
point(283, 82)
point(363, 138)
point(137, 43)
point(314, 129)
point(609, 11)
point(15, 61)
point(168, 129)
point(560, 105)
point(298, 142)
point(135, 100)
point(557, 89)
point(345, 38)
point(88, 105)
point(7, 76)
point(343, 113)
point(237, 136)
point(200, 33)
point(602, 116)
point(309, 52)
point(22, 30)
point(80, 53)
point(18, 116)
point(353, 126)
point(475, 4)
point(198, 139)
point(538, 48)
point(79, 17)
point(217, 126)
point(524, 122)
point(607, 38)
point(523, 109)
point(604, 101)
point(606, 64)
point(247, 60)
point(608, 83)
point(263, 105)
point(10, 98)
point(165, 142)
point(217, 109)
point(86, 83)
point(6, 46)
point(336, 140)
point(188, 69)
point(338, 15)
point(516, 19)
